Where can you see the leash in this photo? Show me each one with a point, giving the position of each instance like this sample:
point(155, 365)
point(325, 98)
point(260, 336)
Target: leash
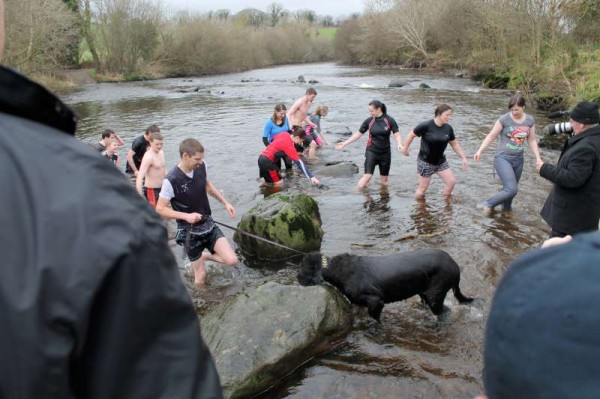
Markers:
point(259, 238)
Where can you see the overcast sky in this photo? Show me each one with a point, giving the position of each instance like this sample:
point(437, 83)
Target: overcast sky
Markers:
point(335, 8)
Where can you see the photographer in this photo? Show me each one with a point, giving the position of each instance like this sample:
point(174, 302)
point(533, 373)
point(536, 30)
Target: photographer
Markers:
point(572, 206)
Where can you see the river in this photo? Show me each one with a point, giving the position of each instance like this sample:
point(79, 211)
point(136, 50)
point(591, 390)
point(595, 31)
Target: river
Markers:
point(411, 354)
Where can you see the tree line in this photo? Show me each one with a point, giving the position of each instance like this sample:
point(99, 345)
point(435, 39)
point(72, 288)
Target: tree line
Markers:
point(547, 47)
point(132, 39)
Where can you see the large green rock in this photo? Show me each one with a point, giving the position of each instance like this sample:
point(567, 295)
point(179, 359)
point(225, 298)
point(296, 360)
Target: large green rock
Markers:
point(292, 220)
point(257, 339)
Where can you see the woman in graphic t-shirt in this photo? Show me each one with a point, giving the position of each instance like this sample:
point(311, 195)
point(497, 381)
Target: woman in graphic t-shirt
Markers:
point(435, 136)
point(513, 128)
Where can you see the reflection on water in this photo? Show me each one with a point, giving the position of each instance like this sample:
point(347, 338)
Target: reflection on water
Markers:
point(410, 354)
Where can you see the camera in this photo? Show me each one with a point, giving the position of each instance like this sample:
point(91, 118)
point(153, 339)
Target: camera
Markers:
point(561, 127)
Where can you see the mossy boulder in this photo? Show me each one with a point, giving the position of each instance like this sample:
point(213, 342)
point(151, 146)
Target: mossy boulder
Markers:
point(292, 220)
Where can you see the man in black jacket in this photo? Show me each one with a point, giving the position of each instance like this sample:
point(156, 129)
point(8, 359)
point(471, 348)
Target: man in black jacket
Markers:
point(91, 303)
point(573, 205)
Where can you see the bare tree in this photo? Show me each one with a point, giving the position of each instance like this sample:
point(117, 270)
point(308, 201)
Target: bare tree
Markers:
point(37, 33)
point(407, 22)
point(275, 11)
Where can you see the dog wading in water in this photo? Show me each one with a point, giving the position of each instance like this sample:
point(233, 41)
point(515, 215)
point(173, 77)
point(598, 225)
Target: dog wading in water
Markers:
point(373, 281)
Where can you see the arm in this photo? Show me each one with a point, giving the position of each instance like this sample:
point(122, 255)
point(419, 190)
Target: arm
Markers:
point(307, 172)
point(533, 144)
point(411, 136)
point(119, 140)
point(496, 129)
point(398, 138)
point(459, 151)
point(213, 192)
point(130, 155)
point(350, 139)
point(309, 122)
point(575, 172)
point(267, 132)
point(117, 161)
point(139, 177)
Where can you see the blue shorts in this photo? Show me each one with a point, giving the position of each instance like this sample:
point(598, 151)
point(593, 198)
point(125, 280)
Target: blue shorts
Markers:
point(427, 169)
point(194, 244)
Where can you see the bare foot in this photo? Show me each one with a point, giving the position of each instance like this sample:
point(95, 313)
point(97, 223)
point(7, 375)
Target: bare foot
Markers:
point(199, 273)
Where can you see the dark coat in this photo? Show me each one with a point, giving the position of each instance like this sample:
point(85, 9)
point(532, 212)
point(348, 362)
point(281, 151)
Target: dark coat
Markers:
point(573, 205)
point(91, 301)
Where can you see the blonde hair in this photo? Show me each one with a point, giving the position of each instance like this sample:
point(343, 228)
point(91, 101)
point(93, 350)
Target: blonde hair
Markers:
point(321, 109)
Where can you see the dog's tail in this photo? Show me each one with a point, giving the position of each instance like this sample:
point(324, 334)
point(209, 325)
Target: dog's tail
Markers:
point(459, 295)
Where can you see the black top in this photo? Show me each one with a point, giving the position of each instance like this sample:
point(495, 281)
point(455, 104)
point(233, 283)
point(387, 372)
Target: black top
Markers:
point(379, 130)
point(434, 140)
point(139, 147)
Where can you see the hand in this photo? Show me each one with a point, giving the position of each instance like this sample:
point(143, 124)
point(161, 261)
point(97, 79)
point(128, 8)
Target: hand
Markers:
point(465, 163)
point(315, 181)
point(313, 125)
point(405, 151)
point(340, 146)
point(135, 172)
point(556, 241)
point(538, 165)
point(477, 156)
point(193, 218)
point(230, 209)
point(400, 147)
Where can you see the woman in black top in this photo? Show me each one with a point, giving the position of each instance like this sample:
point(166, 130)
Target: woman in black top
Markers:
point(380, 126)
point(435, 136)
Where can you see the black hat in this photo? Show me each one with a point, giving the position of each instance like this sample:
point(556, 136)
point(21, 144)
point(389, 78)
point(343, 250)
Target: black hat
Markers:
point(585, 112)
point(542, 336)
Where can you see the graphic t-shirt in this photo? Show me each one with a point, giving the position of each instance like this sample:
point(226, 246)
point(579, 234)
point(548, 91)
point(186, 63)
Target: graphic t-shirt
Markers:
point(513, 134)
point(434, 140)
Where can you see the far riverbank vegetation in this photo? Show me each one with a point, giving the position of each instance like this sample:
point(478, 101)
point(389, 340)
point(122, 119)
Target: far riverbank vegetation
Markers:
point(547, 49)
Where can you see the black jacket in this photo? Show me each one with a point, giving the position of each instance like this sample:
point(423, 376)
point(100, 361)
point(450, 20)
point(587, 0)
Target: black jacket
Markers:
point(91, 301)
point(573, 205)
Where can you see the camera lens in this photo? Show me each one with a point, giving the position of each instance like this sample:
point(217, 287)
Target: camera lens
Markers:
point(560, 128)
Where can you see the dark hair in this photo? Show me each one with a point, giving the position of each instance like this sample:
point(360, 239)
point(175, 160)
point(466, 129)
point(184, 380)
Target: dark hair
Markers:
point(278, 107)
point(517, 99)
point(440, 109)
point(311, 90)
point(190, 147)
point(152, 129)
point(379, 105)
point(297, 131)
point(107, 133)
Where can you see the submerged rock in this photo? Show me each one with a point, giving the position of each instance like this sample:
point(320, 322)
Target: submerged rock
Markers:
point(397, 83)
point(258, 339)
point(291, 220)
point(339, 169)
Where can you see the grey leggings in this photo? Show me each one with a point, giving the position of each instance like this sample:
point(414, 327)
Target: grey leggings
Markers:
point(509, 169)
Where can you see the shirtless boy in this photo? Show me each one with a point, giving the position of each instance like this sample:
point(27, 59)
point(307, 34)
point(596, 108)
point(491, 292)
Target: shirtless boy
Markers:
point(298, 113)
point(152, 170)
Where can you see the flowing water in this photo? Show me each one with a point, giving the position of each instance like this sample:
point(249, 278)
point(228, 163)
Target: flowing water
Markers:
point(410, 354)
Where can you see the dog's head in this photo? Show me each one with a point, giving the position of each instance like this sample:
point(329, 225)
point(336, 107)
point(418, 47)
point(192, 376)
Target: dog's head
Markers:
point(311, 269)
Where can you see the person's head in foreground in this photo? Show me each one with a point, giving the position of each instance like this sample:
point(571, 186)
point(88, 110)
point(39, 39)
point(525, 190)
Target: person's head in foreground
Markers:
point(542, 336)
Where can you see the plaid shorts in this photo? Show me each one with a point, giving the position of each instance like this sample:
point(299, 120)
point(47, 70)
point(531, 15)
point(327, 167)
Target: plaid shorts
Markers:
point(427, 169)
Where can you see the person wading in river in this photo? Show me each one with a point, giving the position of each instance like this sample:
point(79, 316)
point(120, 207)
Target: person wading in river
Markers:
point(186, 188)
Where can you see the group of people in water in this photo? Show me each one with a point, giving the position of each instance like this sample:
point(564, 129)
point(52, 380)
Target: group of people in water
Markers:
point(292, 133)
point(515, 128)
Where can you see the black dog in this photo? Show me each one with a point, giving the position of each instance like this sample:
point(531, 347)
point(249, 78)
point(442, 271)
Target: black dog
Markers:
point(373, 281)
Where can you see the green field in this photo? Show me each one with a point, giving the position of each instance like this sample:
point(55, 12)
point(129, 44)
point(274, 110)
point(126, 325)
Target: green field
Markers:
point(328, 33)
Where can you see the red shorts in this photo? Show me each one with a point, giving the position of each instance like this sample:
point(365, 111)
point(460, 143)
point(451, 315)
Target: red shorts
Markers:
point(151, 195)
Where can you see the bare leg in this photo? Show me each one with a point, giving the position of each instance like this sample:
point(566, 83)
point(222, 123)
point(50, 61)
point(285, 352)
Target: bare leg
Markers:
point(423, 186)
point(199, 271)
point(223, 253)
point(362, 183)
point(385, 180)
point(449, 181)
point(312, 150)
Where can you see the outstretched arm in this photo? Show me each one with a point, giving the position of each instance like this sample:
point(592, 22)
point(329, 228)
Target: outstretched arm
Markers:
point(496, 129)
point(411, 136)
point(350, 139)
